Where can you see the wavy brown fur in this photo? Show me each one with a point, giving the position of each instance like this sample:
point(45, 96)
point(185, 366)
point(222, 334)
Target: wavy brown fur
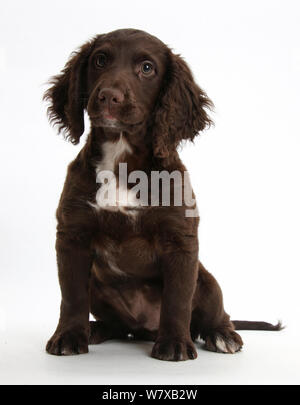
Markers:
point(68, 95)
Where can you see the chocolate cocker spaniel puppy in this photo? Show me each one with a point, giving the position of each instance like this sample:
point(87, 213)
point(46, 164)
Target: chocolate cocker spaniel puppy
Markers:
point(127, 250)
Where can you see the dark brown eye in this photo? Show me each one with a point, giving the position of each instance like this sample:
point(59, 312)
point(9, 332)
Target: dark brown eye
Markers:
point(147, 68)
point(101, 60)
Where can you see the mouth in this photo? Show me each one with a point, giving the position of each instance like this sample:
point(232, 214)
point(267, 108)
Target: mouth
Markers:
point(107, 120)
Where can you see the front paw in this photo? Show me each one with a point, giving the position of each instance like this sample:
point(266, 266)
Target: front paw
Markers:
point(172, 349)
point(69, 342)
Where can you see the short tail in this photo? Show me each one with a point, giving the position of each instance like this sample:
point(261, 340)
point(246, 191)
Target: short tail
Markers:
point(253, 325)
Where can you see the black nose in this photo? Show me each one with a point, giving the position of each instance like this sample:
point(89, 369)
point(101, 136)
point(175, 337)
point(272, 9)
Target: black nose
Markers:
point(109, 96)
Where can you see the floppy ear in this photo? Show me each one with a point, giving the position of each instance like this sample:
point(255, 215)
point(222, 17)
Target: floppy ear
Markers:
point(68, 97)
point(181, 109)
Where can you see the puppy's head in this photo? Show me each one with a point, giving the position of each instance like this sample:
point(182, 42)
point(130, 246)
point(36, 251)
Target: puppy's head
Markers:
point(128, 80)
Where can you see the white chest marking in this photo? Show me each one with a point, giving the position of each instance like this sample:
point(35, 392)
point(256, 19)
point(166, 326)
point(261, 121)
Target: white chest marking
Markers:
point(120, 198)
point(111, 153)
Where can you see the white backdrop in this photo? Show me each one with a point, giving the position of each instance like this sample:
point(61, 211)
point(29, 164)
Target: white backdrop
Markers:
point(245, 173)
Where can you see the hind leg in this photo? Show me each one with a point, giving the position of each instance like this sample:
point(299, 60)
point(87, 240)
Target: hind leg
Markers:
point(209, 320)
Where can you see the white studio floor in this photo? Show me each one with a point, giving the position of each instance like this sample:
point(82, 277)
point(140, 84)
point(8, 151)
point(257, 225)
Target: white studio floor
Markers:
point(267, 358)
